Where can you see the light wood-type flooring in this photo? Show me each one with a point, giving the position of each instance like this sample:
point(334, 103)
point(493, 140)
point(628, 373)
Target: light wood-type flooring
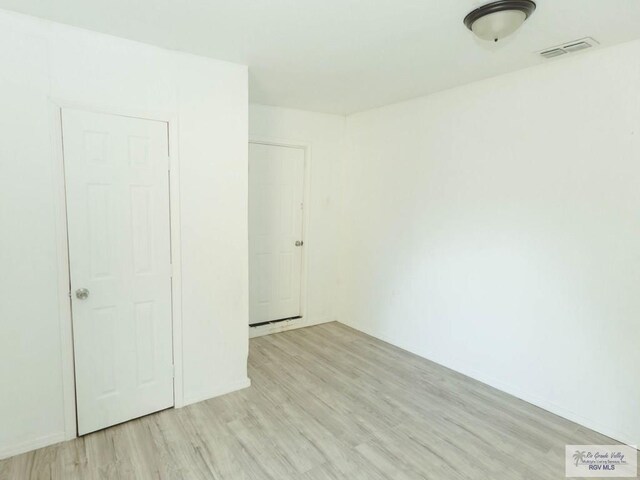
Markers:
point(327, 402)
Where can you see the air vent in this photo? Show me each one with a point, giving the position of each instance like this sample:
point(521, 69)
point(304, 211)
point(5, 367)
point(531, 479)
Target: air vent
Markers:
point(556, 52)
point(575, 47)
point(570, 47)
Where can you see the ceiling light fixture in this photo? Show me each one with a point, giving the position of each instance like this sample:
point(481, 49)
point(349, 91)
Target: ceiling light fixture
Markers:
point(497, 20)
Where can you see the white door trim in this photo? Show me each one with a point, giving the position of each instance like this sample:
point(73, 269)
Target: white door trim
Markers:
point(60, 210)
point(306, 201)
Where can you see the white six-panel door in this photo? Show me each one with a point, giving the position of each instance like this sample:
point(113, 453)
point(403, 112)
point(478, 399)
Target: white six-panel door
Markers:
point(276, 188)
point(116, 173)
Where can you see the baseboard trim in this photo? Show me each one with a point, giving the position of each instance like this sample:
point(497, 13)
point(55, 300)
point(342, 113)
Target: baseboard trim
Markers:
point(47, 440)
point(219, 391)
point(29, 445)
point(517, 393)
point(547, 405)
point(285, 326)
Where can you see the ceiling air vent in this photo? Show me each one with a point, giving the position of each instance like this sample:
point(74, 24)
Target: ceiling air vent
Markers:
point(554, 52)
point(570, 47)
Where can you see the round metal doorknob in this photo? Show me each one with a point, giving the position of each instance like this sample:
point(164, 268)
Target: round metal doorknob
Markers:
point(82, 293)
point(299, 243)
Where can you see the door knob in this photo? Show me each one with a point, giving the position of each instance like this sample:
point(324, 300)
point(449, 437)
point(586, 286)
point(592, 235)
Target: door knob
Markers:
point(299, 243)
point(82, 293)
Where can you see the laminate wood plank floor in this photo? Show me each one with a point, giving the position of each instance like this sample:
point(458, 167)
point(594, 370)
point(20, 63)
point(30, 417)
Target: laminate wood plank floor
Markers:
point(327, 402)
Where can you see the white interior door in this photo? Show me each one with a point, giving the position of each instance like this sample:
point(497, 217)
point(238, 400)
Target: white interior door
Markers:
point(276, 188)
point(117, 184)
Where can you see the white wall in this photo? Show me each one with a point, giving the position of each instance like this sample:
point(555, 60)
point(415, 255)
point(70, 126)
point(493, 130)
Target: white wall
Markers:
point(495, 229)
point(491, 228)
point(43, 61)
point(324, 135)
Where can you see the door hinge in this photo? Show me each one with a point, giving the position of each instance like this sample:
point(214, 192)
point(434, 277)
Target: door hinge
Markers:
point(171, 270)
point(173, 371)
point(169, 163)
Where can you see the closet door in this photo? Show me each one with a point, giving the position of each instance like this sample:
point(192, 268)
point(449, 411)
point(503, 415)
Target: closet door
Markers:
point(117, 184)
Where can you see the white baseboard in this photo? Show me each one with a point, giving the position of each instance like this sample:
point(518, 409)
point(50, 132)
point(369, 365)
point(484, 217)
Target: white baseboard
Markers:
point(219, 391)
point(29, 445)
point(44, 441)
point(547, 405)
point(286, 325)
point(517, 392)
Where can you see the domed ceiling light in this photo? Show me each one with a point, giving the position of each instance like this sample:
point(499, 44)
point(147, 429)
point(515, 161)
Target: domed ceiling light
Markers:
point(496, 20)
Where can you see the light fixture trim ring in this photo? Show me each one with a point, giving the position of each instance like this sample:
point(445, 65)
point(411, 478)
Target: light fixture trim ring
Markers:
point(525, 6)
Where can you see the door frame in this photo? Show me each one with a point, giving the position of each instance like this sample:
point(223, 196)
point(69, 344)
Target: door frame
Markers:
point(62, 246)
point(306, 202)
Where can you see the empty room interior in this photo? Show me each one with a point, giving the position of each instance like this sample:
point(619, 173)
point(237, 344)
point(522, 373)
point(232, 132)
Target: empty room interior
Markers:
point(319, 239)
